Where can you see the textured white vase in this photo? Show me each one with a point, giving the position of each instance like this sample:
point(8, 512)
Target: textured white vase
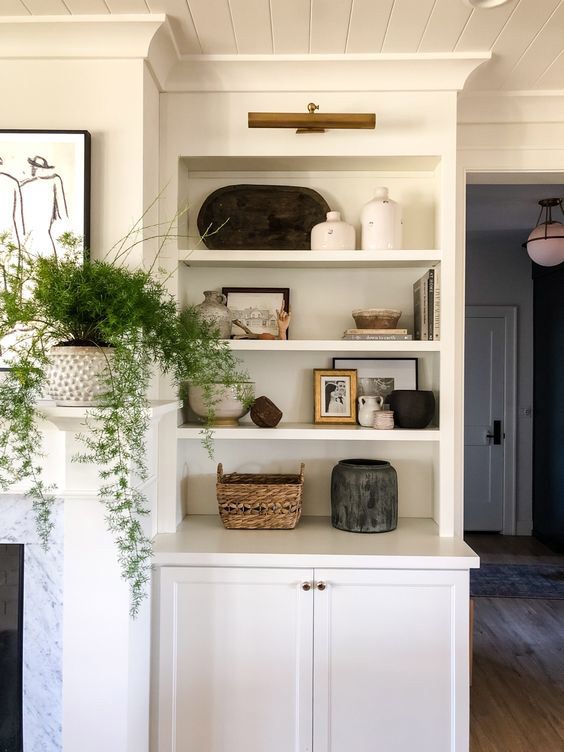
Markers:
point(75, 374)
point(381, 223)
point(333, 235)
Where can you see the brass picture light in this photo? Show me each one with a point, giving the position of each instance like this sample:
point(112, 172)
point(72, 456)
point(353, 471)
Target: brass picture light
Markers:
point(310, 122)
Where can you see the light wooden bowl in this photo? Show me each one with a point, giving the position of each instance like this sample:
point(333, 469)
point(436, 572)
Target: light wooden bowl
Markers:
point(376, 318)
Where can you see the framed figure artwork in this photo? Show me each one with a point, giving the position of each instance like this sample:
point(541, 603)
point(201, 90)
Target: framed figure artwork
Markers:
point(380, 376)
point(44, 188)
point(334, 395)
point(44, 193)
point(257, 308)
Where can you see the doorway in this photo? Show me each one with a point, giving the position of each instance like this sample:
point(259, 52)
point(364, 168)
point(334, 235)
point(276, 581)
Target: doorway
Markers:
point(501, 210)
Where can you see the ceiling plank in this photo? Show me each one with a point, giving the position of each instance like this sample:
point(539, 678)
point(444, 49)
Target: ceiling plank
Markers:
point(212, 20)
point(407, 24)
point(369, 21)
point(13, 8)
point(47, 7)
point(523, 25)
point(552, 78)
point(540, 55)
point(87, 7)
point(181, 23)
point(251, 22)
point(330, 25)
point(445, 25)
point(290, 26)
point(127, 6)
point(484, 27)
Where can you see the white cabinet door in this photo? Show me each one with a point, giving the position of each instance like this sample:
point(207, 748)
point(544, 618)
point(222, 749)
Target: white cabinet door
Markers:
point(391, 661)
point(235, 660)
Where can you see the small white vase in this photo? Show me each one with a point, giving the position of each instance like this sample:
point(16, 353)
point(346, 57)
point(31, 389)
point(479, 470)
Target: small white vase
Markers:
point(333, 235)
point(75, 374)
point(367, 405)
point(381, 223)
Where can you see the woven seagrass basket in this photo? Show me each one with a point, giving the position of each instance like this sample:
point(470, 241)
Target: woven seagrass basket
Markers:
point(259, 502)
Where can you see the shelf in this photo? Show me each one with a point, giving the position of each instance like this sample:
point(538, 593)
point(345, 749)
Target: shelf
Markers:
point(71, 418)
point(201, 540)
point(310, 259)
point(333, 345)
point(309, 432)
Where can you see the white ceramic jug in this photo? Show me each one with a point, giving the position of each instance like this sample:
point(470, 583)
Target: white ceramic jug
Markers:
point(381, 223)
point(368, 404)
point(333, 235)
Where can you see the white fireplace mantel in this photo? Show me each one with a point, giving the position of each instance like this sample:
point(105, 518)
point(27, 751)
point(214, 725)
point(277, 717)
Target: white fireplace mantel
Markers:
point(95, 694)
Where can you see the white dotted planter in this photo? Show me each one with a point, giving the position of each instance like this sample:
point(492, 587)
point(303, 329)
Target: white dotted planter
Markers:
point(74, 374)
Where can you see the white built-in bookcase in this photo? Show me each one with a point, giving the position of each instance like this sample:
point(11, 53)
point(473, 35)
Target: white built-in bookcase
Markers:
point(418, 167)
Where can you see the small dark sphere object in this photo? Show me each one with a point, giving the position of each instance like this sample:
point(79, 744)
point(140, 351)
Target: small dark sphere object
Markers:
point(364, 496)
point(264, 413)
point(413, 408)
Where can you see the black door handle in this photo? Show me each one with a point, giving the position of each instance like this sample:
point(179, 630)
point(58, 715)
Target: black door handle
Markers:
point(496, 435)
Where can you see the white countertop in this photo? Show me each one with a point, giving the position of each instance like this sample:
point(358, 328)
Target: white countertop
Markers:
point(201, 540)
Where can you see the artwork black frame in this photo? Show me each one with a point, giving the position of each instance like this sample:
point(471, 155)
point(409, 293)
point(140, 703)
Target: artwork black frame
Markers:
point(284, 291)
point(38, 151)
point(358, 363)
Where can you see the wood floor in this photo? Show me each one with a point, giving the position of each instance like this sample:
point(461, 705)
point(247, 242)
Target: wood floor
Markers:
point(517, 694)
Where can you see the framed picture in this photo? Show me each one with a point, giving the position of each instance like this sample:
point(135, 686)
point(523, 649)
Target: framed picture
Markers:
point(257, 308)
point(334, 395)
point(44, 187)
point(380, 376)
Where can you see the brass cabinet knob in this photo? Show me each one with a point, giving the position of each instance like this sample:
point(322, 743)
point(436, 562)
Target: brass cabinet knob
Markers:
point(306, 586)
point(320, 585)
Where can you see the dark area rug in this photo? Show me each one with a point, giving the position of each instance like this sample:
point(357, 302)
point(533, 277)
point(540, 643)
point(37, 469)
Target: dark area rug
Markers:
point(518, 581)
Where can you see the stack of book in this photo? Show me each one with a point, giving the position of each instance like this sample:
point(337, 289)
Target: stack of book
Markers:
point(376, 334)
point(427, 305)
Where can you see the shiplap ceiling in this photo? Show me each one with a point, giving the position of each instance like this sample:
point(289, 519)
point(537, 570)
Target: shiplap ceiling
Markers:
point(526, 37)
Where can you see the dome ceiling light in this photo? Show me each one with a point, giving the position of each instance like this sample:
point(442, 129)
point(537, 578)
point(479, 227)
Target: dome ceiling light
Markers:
point(545, 244)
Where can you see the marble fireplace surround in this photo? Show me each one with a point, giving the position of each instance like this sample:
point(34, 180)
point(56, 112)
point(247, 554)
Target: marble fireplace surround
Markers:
point(42, 622)
point(86, 662)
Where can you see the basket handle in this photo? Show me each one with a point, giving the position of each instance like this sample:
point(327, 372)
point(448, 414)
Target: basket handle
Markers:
point(219, 472)
point(302, 467)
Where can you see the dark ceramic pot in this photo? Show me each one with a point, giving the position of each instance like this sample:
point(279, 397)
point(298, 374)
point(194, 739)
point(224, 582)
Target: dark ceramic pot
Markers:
point(364, 496)
point(413, 408)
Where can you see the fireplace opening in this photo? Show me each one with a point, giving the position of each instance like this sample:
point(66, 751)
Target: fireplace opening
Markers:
point(11, 646)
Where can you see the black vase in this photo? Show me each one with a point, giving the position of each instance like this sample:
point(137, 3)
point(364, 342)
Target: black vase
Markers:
point(413, 408)
point(364, 496)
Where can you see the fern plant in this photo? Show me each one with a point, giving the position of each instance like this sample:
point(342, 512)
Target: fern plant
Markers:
point(45, 301)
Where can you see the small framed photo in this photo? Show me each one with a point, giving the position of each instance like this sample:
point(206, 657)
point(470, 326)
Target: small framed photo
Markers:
point(380, 376)
point(334, 395)
point(257, 308)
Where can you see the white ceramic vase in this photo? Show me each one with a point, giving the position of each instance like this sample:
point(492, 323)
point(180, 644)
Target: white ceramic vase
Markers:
point(333, 235)
point(228, 408)
point(368, 404)
point(214, 310)
point(381, 223)
point(75, 374)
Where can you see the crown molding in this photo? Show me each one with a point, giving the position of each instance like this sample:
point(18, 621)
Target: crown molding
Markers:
point(92, 37)
point(365, 72)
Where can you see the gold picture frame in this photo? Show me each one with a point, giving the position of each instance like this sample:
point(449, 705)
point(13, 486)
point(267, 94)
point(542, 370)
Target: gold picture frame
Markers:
point(334, 396)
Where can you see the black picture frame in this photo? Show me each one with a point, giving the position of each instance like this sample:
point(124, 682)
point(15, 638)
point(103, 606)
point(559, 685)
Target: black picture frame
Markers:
point(273, 296)
point(49, 172)
point(404, 371)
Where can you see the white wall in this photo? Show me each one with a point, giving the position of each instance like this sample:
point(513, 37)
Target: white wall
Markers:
point(102, 647)
point(498, 272)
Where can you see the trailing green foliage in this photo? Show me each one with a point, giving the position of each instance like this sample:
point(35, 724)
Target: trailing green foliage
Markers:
point(53, 300)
